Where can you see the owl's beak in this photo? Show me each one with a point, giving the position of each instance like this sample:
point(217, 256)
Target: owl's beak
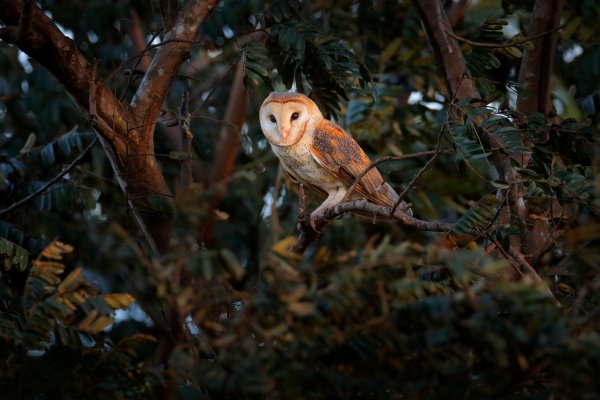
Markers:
point(285, 133)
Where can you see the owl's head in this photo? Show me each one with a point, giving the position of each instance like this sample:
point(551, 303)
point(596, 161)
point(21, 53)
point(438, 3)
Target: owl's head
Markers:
point(286, 116)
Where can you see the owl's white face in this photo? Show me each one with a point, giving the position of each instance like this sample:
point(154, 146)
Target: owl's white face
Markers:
point(284, 117)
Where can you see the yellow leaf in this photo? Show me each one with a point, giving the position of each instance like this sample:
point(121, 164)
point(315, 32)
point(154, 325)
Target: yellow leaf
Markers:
point(390, 50)
point(118, 300)
point(55, 250)
point(71, 281)
point(49, 266)
point(302, 308)
point(100, 323)
point(224, 341)
point(294, 294)
point(77, 297)
point(87, 320)
point(284, 246)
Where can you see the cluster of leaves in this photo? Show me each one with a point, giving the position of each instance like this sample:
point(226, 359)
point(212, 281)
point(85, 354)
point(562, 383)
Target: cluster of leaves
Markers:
point(399, 321)
point(481, 62)
point(319, 65)
point(25, 171)
point(13, 255)
point(60, 308)
point(396, 321)
point(564, 174)
point(56, 319)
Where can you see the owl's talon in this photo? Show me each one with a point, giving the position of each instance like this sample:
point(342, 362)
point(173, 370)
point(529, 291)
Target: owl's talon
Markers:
point(313, 222)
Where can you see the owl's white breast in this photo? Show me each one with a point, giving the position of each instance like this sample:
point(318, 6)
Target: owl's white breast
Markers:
point(298, 160)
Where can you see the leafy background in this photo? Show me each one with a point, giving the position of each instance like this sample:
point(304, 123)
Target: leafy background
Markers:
point(371, 310)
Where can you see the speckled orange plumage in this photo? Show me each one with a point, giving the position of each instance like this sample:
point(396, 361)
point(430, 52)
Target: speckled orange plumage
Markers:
point(320, 154)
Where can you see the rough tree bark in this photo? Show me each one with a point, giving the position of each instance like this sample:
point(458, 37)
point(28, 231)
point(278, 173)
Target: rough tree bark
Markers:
point(452, 67)
point(535, 76)
point(448, 55)
point(536, 67)
point(126, 130)
point(172, 132)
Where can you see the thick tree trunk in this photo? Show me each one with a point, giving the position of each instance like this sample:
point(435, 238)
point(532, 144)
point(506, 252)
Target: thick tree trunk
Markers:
point(535, 74)
point(127, 130)
point(535, 77)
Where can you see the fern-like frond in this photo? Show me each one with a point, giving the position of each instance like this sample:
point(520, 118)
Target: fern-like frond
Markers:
point(12, 255)
point(477, 216)
point(66, 306)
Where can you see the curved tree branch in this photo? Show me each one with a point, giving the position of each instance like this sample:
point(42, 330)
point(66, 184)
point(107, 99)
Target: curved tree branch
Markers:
point(126, 131)
point(308, 234)
point(449, 57)
point(147, 101)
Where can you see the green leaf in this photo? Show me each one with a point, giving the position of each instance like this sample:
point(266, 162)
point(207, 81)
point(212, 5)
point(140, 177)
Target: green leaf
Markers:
point(470, 148)
point(13, 255)
point(259, 69)
point(493, 120)
point(477, 216)
point(47, 154)
point(161, 204)
point(390, 50)
point(500, 184)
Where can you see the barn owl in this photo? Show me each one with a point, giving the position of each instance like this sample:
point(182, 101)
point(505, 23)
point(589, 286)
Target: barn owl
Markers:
point(319, 154)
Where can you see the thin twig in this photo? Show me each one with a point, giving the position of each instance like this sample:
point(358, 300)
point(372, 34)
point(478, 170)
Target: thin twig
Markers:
point(307, 233)
point(186, 139)
point(140, 54)
point(215, 86)
point(507, 256)
point(139, 57)
point(519, 264)
point(433, 158)
point(502, 45)
point(52, 181)
point(386, 159)
point(275, 225)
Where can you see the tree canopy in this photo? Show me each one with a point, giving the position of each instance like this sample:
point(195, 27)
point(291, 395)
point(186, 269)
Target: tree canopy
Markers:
point(152, 247)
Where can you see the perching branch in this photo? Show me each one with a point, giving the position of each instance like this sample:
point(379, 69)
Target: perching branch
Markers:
point(308, 234)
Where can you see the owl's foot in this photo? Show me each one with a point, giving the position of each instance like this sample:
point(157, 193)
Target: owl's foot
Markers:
point(316, 219)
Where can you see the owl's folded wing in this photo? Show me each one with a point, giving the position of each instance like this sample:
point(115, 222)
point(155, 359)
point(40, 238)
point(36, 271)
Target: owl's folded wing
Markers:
point(334, 149)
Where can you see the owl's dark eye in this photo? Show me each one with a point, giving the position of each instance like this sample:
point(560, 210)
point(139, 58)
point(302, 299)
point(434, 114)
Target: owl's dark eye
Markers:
point(272, 118)
point(294, 116)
